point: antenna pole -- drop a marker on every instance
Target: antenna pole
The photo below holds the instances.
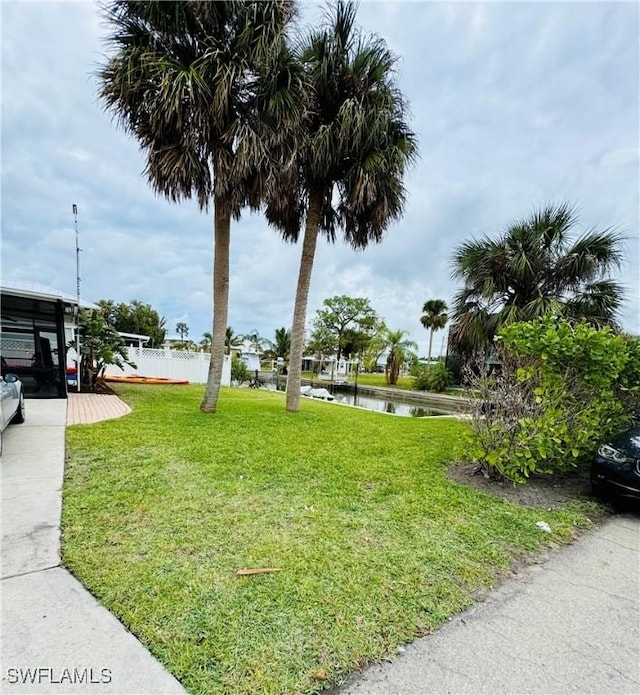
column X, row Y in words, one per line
column 75, row 218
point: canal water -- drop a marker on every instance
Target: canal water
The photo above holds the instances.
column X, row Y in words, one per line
column 380, row 403
column 388, row 405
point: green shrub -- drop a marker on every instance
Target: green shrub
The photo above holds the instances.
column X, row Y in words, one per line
column 628, row 387
column 555, row 399
column 239, row 370
column 432, row 377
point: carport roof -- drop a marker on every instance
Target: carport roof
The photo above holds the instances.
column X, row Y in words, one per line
column 36, row 290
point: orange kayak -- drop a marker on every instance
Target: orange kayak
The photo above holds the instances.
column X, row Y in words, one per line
column 135, row 379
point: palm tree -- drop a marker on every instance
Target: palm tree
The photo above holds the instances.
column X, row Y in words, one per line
column 182, row 329
column 398, row 349
column 232, row 340
column 434, row 317
column 206, row 88
column 205, row 343
column 282, row 343
column 257, row 342
column 533, row 268
column 354, row 149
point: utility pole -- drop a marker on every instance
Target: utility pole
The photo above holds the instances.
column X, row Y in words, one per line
column 75, row 217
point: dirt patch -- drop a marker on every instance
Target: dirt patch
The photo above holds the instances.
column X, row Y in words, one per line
column 542, row 491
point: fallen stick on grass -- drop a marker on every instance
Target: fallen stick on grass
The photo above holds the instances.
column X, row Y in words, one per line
column 261, row 570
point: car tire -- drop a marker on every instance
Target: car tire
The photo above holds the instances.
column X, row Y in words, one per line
column 18, row 418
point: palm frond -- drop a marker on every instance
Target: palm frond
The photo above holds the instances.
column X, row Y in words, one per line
column 533, row 268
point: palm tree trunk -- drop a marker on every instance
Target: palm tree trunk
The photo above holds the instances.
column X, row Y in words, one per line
column 302, row 296
column 430, row 342
column 222, row 234
column 393, row 371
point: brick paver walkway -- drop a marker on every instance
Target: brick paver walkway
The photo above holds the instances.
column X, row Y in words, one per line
column 85, row 408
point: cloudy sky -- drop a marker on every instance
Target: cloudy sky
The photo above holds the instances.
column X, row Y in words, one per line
column 516, row 105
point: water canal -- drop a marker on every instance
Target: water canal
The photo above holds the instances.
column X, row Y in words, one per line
column 392, row 405
column 415, row 404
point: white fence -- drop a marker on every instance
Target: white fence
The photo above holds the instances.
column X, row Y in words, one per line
column 171, row 364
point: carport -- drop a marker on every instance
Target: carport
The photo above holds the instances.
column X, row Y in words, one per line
column 36, row 322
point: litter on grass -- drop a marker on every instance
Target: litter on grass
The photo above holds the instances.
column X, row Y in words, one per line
column 544, row 526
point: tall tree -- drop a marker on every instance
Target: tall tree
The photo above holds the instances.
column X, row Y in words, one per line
column 434, row 317
column 355, row 342
column 182, row 329
column 399, row 349
column 207, row 89
column 354, row 147
column 531, row 269
column 135, row 317
column 341, row 313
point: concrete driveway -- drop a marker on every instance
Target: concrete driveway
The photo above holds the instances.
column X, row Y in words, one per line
column 56, row 638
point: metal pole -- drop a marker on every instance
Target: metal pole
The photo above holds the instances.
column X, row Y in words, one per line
column 75, row 217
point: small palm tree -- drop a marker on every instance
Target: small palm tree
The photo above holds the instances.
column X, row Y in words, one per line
column 182, row 330
column 205, row 343
column 353, row 149
column 282, row 343
column 207, row 89
column 398, row 349
column 257, row 342
column 531, row 269
column 434, row 317
column 232, row 340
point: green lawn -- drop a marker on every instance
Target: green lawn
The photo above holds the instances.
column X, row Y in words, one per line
column 376, row 544
column 404, row 382
column 364, row 379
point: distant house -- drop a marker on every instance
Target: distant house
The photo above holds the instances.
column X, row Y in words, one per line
column 37, row 322
column 176, row 342
column 135, row 340
column 247, row 353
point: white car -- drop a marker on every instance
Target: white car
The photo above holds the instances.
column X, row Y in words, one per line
column 12, row 400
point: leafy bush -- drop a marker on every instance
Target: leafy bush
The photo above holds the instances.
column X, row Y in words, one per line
column 555, row 398
column 432, row 377
column 239, row 370
column 628, row 387
column 100, row 345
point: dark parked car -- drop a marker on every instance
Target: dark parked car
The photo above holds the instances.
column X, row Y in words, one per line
column 615, row 471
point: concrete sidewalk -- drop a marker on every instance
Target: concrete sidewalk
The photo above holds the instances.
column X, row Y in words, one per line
column 569, row 625
column 56, row 638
